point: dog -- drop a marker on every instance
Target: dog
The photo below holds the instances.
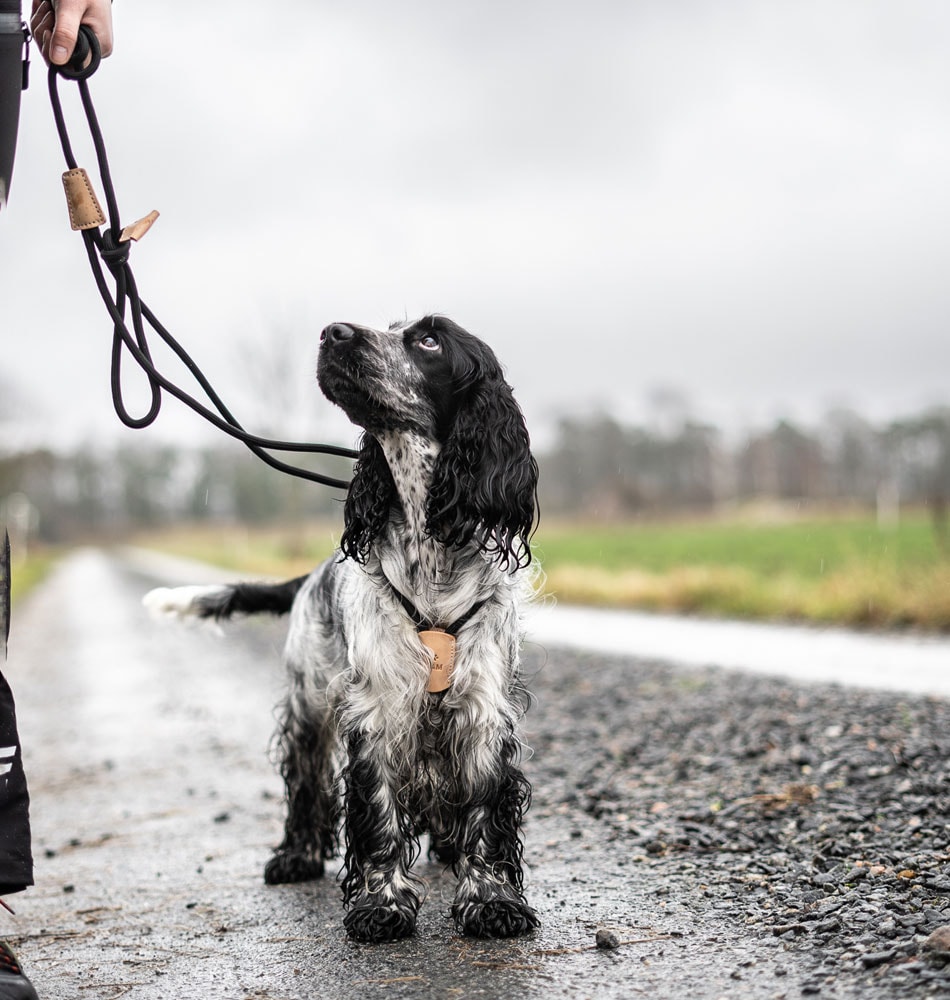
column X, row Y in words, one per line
column 403, row 652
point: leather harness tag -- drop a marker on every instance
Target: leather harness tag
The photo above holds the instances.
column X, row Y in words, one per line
column 442, row 647
column 85, row 212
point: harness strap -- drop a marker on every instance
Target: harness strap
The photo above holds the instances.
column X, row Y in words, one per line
column 423, row 624
column 439, row 640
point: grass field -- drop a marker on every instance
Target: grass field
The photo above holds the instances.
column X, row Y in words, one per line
column 830, row 570
column 27, row 574
column 274, row 552
column 842, row 570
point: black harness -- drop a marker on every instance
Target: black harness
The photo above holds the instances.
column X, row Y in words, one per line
column 423, row 624
column 439, row 640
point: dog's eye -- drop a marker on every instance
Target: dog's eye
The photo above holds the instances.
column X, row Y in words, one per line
column 430, row 342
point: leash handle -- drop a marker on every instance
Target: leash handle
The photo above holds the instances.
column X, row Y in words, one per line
column 87, row 54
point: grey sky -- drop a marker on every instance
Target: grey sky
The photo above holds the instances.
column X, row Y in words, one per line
column 748, row 201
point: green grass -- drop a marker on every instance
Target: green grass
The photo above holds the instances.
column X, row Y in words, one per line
column 808, row 549
column 831, row 570
column 26, row 575
column 276, row 552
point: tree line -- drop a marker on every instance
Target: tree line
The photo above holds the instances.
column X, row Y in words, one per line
column 599, row 467
column 595, row 467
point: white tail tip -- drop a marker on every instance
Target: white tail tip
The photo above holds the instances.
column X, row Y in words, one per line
column 176, row 602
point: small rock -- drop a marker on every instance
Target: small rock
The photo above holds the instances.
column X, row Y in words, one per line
column 936, row 949
column 875, row 958
column 606, row 939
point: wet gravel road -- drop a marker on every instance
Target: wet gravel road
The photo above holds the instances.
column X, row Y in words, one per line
column 733, row 836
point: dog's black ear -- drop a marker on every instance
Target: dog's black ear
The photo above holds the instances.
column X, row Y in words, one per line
column 484, row 486
column 369, row 500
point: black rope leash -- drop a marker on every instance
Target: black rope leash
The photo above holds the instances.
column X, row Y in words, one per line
column 111, row 246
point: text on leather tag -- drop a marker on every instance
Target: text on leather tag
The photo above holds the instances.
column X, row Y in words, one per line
column 85, row 212
column 442, row 646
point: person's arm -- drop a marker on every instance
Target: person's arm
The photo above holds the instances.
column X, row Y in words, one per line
column 55, row 25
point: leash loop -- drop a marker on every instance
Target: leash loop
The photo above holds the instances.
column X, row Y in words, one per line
column 112, row 247
column 86, row 48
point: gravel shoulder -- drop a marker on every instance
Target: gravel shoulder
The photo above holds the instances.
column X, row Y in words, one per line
column 814, row 816
column 731, row 835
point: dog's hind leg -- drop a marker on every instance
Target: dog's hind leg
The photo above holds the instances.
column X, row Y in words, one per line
column 306, row 743
column 489, row 901
column 381, row 895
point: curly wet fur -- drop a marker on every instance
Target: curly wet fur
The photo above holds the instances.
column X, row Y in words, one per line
column 439, row 513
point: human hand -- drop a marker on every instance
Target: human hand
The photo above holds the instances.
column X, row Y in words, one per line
column 55, row 25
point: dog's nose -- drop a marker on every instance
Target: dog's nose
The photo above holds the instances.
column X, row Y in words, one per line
column 337, row 333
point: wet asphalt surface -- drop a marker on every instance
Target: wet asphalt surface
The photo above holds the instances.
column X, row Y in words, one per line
column 732, row 836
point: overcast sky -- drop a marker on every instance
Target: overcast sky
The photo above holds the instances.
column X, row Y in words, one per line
column 748, row 202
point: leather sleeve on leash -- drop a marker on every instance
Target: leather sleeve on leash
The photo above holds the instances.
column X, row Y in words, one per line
column 85, row 212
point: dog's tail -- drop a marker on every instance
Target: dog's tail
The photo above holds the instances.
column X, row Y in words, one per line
column 224, row 600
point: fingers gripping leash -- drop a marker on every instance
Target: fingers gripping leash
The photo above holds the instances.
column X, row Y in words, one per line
column 109, row 244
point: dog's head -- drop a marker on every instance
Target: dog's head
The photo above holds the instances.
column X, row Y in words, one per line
column 434, row 379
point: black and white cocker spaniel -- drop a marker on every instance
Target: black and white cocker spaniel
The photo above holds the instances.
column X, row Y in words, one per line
column 405, row 690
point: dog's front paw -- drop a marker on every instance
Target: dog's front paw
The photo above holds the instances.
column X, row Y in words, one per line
column 444, row 851
column 495, row 918
column 375, row 924
column 285, row 866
